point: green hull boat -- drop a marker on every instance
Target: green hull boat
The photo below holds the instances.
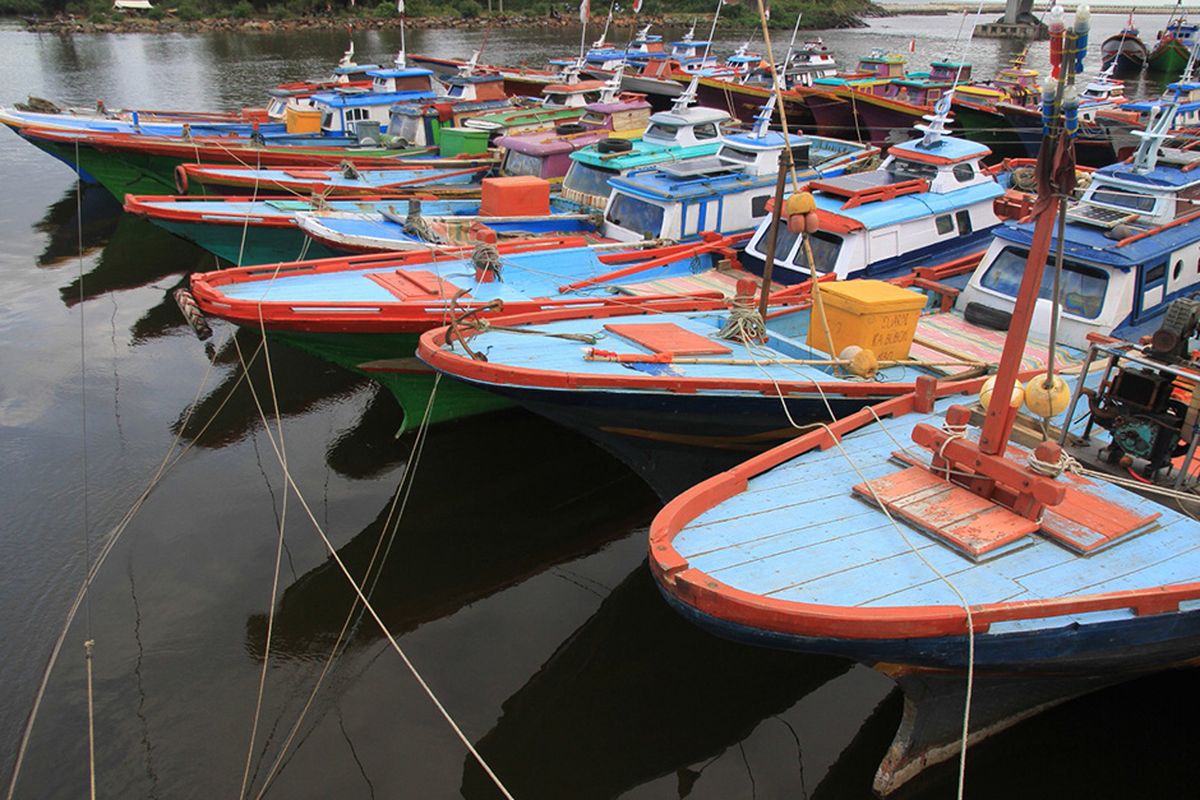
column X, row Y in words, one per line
column 412, row 389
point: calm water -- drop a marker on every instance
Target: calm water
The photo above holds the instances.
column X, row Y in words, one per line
column 515, row 580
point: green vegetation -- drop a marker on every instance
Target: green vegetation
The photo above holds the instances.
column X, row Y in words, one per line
column 740, row 13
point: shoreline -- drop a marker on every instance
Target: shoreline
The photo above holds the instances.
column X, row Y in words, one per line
column 170, row 24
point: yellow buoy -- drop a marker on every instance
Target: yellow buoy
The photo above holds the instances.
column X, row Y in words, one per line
column 799, row 203
column 1047, row 401
column 985, row 393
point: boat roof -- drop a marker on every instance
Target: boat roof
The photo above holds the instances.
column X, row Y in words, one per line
column 573, row 88
column 897, row 209
column 610, row 108
column 1089, row 244
column 1163, row 176
column 349, row 99
column 350, row 70
column 547, row 143
column 455, row 80
column 643, row 154
column 409, row 72
column 769, row 140
column 946, row 150
column 692, row 115
column 654, row 184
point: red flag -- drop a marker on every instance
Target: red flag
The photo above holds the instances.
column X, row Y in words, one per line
column 912, row 45
column 637, row 6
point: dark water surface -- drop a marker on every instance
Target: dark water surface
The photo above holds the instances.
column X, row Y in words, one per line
column 516, row 579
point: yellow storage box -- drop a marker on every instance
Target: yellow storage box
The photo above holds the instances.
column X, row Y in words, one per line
column 302, row 120
column 876, row 315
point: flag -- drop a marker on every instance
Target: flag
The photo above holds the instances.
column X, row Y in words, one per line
column 912, row 45
column 400, row 7
column 585, row 10
column 767, row 11
column 637, row 6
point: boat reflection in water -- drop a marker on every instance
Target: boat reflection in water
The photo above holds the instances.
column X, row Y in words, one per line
column 93, row 212
column 453, row 552
column 634, row 696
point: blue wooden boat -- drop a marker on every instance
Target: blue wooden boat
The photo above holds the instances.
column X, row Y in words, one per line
column 385, row 229
column 685, row 131
column 993, row 562
column 727, row 193
column 245, row 231
column 364, row 313
column 930, row 201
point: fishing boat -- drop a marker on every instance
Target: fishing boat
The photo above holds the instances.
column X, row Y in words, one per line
column 976, row 115
column 140, row 164
column 511, row 208
column 547, row 154
column 1184, row 95
column 726, row 193
column 686, row 131
column 1124, row 51
column 347, row 73
column 455, row 177
column 930, row 201
column 1098, row 144
column 994, row 562
column 421, row 123
column 343, row 111
column 1173, row 47
column 885, row 111
column 365, row 313
column 560, row 103
column 249, row 230
column 829, row 99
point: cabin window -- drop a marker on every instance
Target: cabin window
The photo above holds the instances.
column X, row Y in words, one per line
column 964, row 222
column 964, row 172
column 522, row 164
column 633, row 214
column 785, row 240
column 327, row 120
column 1175, row 273
column 1155, row 274
column 902, row 170
column 593, row 118
column 733, row 154
column 591, row 97
column 944, row 224
column 758, row 205
column 707, row 131
column 663, row 133
column 1121, row 198
column 406, row 127
column 825, row 249
column 1082, row 289
column 588, row 180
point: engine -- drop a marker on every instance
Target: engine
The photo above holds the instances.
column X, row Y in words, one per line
column 1150, row 414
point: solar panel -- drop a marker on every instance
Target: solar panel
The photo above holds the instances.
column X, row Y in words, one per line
column 849, row 185
column 1098, row 216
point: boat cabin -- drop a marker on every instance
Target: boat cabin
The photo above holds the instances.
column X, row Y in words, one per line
column 546, row 154
column 471, row 88
column 1132, row 247
column 1184, row 94
column 727, row 193
column 342, row 111
column 421, row 124
column 683, row 132
column 929, row 202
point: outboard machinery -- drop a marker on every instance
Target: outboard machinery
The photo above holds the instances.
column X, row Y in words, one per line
column 1152, row 413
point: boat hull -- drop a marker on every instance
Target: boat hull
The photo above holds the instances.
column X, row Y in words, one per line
column 261, row 244
column 411, row 382
column 1168, row 58
column 1094, row 146
column 988, row 127
column 1128, row 51
column 744, row 102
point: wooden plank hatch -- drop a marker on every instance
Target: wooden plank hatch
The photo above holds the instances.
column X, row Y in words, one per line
column 1086, row 523
column 973, row 526
column 667, row 337
column 415, row 284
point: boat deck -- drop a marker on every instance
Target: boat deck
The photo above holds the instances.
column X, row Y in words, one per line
column 799, row 534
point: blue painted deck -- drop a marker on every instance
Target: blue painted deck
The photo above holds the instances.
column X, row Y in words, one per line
column 798, row 534
column 367, row 178
column 218, row 209
column 523, row 276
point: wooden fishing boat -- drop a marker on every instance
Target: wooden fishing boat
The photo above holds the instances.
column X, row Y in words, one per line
column 994, row 564
column 681, row 133
column 452, row 177
column 726, row 193
column 511, row 208
column 886, row 112
column 830, row 103
column 931, row 201
column 1124, row 51
column 1173, row 48
column 140, row 164
column 364, row 313
column 249, row 230
column 975, row 112
column 559, row 103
